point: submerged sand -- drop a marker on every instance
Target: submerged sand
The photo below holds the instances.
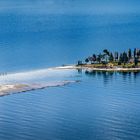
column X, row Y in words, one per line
column 31, row 80
column 7, row 89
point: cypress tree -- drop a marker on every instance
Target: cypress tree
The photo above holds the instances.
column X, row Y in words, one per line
column 86, row 60
column 129, row 54
column 116, row 56
column 135, row 52
column 111, row 57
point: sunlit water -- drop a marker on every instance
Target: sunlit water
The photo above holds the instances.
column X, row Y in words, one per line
column 102, row 106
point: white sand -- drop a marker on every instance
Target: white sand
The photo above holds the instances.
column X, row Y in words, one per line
column 98, row 69
column 4, row 88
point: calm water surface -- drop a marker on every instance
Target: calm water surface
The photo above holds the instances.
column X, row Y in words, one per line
column 103, row 106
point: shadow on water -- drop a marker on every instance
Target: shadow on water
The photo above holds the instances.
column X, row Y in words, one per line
column 79, row 71
column 109, row 76
column 130, row 76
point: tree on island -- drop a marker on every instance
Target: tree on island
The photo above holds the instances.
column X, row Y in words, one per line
column 135, row 52
column 111, row 57
column 99, row 58
column 90, row 59
column 136, row 61
column 94, row 57
column 116, row 56
column 106, row 54
column 86, row 60
column 125, row 58
column 129, row 58
column 120, row 59
column 80, row 62
column 129, row 54
column 138, row 53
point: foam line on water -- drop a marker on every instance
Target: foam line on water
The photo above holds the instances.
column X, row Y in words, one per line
column 33, row 74
column 35, row 79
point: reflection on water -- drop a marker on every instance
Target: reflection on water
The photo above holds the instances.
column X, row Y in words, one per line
column 109, row 76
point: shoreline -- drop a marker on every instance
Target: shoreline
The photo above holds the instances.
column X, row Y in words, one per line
column 115, row 69
column 7, row 89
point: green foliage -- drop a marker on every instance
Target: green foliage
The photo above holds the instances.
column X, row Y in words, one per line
column 129, row 53
column 121, row 58
column 94, row 57
column 116, row 56
column 135, row 52
column 136, row 61
column 99, row 58
column 125, row 58
column 80, row 62
column 86, row 60
column 106, row 52
column 111, row 58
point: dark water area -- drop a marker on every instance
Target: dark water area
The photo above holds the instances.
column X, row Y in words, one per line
column 103, row 106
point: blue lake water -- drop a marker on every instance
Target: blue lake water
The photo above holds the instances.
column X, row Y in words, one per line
column 103, row 106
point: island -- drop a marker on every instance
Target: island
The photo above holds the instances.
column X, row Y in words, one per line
column 109, row 61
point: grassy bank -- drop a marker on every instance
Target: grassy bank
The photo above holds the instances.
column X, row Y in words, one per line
column 110, row 65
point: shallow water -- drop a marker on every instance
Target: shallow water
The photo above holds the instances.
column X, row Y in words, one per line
column 101, row 106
